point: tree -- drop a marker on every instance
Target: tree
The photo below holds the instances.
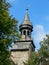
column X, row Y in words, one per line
column 33, row 60
column 8, row 32
column 41, row 57
column 44, row 51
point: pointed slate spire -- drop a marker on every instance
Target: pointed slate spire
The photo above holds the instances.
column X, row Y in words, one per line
column 26, row 19
column 26, row 16
column 26, row 24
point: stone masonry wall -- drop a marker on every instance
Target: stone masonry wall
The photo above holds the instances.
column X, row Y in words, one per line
column 18, row 57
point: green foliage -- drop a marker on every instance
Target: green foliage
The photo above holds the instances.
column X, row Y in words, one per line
column 8, row 32
column 41, row 57
column 44, row 51
column 33, row 59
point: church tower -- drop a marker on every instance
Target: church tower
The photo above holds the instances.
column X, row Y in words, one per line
column 26, row 27
column 22, row 49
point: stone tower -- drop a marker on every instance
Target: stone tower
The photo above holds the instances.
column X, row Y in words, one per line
column 23, row 48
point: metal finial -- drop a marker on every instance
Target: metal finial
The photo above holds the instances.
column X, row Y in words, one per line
column 27, row 7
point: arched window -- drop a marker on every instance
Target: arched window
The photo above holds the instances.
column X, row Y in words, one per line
column 24, row 32
column 27, row 32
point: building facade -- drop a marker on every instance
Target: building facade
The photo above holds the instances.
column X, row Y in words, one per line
column 22, row 49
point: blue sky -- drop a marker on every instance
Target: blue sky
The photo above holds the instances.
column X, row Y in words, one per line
column 38, row 13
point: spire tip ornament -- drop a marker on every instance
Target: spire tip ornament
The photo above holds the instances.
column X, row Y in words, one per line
column 27, row 7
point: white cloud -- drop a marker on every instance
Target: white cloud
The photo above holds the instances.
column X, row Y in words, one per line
column 39, row 33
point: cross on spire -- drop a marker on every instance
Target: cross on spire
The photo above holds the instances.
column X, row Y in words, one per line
column 27, row 8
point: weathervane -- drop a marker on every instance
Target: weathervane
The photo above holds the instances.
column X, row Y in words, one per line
column 27, row 7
